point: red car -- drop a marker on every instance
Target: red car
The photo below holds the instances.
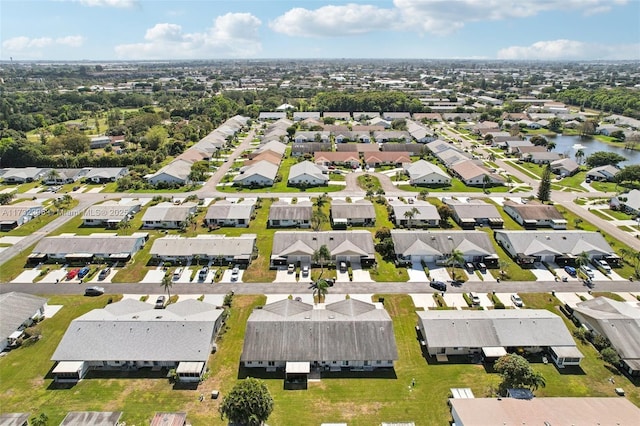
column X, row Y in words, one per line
column 72, row 274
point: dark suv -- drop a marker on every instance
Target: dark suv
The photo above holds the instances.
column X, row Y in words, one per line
column 438, row 285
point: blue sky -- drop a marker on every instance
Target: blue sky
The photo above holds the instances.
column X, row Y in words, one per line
column 222, row 29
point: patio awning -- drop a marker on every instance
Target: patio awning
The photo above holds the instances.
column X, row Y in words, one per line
column 79, row 255
column 68, row 367
column 567, row 352
column 494, row 351
column 190, row 367
column 297, row 367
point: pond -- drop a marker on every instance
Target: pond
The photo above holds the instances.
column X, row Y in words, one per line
column 568, row 145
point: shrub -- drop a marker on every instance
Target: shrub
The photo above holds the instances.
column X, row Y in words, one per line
column 499, row 305
column 610, row 356
column 580, row 334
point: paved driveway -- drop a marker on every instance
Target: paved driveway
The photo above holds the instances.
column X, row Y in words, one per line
column 570, row 299
column 55, row 276
column 505, row 298
column 283, row 276
column 153, row 277
column 27, row 276
column 423, row 300
column 438, row 273
column 226, row 276
column 360, row 275
column 542, row 273
column 416, row 273
column 185, row 277
column 455, row 300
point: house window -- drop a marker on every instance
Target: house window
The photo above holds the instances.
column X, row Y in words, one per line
column 378, row 362
column 259, row 362
column 271, row 363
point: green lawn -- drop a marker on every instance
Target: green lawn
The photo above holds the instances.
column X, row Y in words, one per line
column 369, row 183
column 509, row 223
column 355, row 398
column 618, row 214
column 456, row 186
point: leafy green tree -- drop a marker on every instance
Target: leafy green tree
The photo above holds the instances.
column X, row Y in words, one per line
column 610, row 356
column 582, row 259
column 249, row 403
column 199, row 171
column 544, row 190
column 516, row 372
column 539, row 140
column 603, row 158
column 555, row 125
column 587, row 128
column 445, row 212
column 5, row 198
column 75, row 142
column 629, row 174
column 41, row 420
column 156, row 137
column 618, row 135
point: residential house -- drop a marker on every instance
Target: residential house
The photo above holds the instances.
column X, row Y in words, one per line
column 535, row 215
column 272, row 115
column 262, row 173
column 380, row 122
column 513, row 145
column 603, row 173
column 14, row 215
column 303, row 115
column 110, row 213
column 541, row 410
column 176, row 172
column 417, row 246
column 307, row 173
column 472, row 174
column 492, row 333
column 392, row 136
column 619, row 323
column 425, row 173
column 270, row 156
column 419, row 132
column 561, row 247
column 439, row 145
column 82, row 249
column 364, row 115
column 429, row 116
column 167, row 215
column 357, row 147
column 92, row 418
column 349, row 334
column 17, row 312
column 286, row 215
column 608, row 129
column 132, row 335
column 542, row 157
column 389, row 158
column 298, row 149
column 318, row 136
column 345, row 116
column 227, row 213
column 402, row 115
column 631, row 204
column 63, row 176
column 524, row 151
column 450, row 157
column 99, row 142
column 564, row 167
column 23, row 174
column 412, row 148
column 271, row 146
column 358, row 213
column 345, row 246
column 352, row 136
column 350, row 159
column 105, row 174
column 421, row 214
column 211, row 247
column 474, row 213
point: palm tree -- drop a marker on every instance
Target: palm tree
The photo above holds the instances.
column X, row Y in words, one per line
column 625, row 253
column 503, row 264
column 579, row 156
column 582, row 259
column 410, row 214
column 320, row 290
column 318, row 218
column 53, row 175
column 167, row 283
column 455, row 259
column 321, row 256
column 124, row 225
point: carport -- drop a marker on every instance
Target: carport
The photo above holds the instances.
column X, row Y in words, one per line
column 492, row 353
column 296, row 375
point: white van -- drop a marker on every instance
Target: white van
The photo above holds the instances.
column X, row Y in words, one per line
column 176, row 274
column 588, row 271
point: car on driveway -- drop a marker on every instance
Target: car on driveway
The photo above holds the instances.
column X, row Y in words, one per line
column 516, row 300
column 202, row 275
column 475, row 300
column 104, row 274
column 343, row 266
column 83, row 272
column 438, row 285
column 587, row 271
column 291, row 268
column 481, row 267
column 94, row 291
column 235, row 273
column 305, row 271
column 72, row 274
column 602, row 264
column 570, row 270
column 160, row 301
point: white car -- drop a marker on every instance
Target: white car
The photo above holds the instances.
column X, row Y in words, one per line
column 305, row 271
column 516, row 300
column 235, row 273
column 604, row 265
column 588, row 271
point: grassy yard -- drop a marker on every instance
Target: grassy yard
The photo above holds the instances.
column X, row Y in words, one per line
column 456, row 186
column 513, row 272
column 356, row 398
column 509, row 223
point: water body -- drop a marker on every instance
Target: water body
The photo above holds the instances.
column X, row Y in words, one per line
column 570, row 144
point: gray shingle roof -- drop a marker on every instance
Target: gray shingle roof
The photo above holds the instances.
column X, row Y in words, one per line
column 533, row 211
column 442, row 242
column 474, row 209
column 166, row 211
column 224, row 209
column 496, row 327
column 208, row 245
column 88, row 244
column 308, row 168
column 181, row 332
column 284, row 240
column 561, row 242
column 361, row 209
column 293, row 331
column 15, row 309
column 281, row 210
column 423, row 168
column 426, row 211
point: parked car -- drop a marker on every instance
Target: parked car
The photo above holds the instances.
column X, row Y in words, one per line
column 587, row 271
column 570, row 270
column 438, row 285
column 343, row 266
column 603, row 264
column 475, row 300
column 516, row 300
column 177, row 274
column 305, row 271
column 235, row 273
column 469, row 266
column 202, row 275
column 481, row 267
column 291, row 268
column 72, row 274
column 104, row 274
column 587, row 180
column 83, row 272
column 94, row 291
column 330, row 281
column 160, row 301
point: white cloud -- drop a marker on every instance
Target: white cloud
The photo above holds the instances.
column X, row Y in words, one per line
column 109, row 3
column 570, row 49
column 232, row 35
column 333, row 21
column 26, row 44
column 444, row 17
